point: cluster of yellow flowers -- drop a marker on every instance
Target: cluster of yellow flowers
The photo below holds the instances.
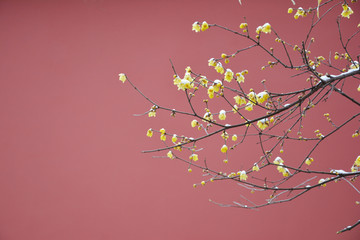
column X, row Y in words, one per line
column 346, row 12
column 197, row 27
column 266, row 28
column 318, row 134
column 278, row 161
column 356, row 165
column 263, row 123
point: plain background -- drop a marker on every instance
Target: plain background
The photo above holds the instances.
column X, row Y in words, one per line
column 71, row 165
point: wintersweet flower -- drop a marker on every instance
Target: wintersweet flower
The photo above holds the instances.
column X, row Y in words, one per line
column 204, row 26
column 212, row 62
column 208, row 116
column 234, row 137
column 300, row 12
column 278, row 160
column 252, row 96
column 266, row 28
column 347, row 11
column 219, row 68
column 240, row 78
column 188, row 77
column 243, row 25
column 357, row 161
column 249, row 106
column 170, row 155
column 194, row 157
column 149, row 132
column 286, row 172
column 228, row 75
column 177, row 80
column 222, row 115
column 309, row 160
column 203, row 183
column 243, row 176
column 174, row 138
column 224, row 148
column 262, row 97
column 217, row 85
column 163, row 137
column 225, row 135
column 211, row 91
column 152, row 113
column 256, row 168
column 239, row 100
column 258, row 29
column 196, row 27
column 122, row 77
column 203, row 81
column 263, row 123
column 184, row 84
column 194, row 123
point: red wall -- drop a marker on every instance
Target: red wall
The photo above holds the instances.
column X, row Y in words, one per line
column 70, row 150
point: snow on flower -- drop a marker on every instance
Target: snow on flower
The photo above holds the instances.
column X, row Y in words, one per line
column 196, row 27
column 222, row 115
column 122, row 77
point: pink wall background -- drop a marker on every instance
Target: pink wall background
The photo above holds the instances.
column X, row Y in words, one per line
column 70, row 161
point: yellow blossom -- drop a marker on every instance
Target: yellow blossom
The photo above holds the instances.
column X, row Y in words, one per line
column 122, row 77
column 255, row 168
column 252, row 96
column 243, row 176
column 184, row 84
column 211, row 91
column 152, row 113
column 196, row 27
column 309, row 160
column 290, row 10
column 217, row 85
column 234, row 137
column 203, row 81
column 262, row 97
column 357, row 161
column 194, row 157
column 212, row 62
column 163, row 137
column 194, row 123
column 249, row 106
column 174, row 138
column 225, row 135
column 263, row 123
column 240, row 77
column 266, row 28
column 208, row 116
column 239, row 100
column 219, row 68
column 204, row 26
column 224, row 149
column 203, row 183
column 228, row 75
column 258, row 29
column 170, row 155
column 243, row 25
column 278, row 160
column 149, row 132
column 222, row 115
column 177, row 80
column 347, row 11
